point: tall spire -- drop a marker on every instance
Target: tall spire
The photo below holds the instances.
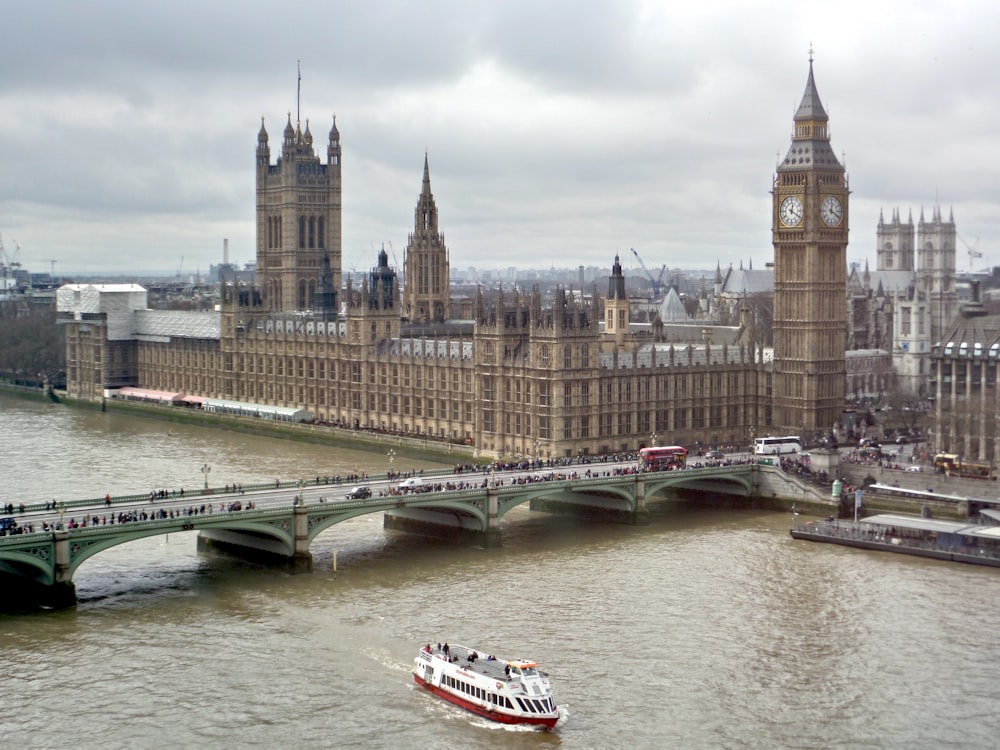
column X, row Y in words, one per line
column 810, row 147
column 811, row 108
column 425, row 189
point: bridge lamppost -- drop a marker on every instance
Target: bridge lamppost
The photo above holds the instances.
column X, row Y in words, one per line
column 300, row 499
column 752, row 433
column 391, row 455
column 652, row 440
column 206, row 469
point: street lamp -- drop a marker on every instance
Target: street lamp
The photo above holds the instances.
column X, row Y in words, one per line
column 652, row 440
column 391, row 455
column 206, row 469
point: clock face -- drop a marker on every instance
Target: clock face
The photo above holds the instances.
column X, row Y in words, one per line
column 832, row 211
column 790, row 211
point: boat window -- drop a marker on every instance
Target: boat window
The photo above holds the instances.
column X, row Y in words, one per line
column 529, row 671
column 521, row 705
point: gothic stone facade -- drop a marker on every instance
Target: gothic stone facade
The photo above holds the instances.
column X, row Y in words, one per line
column 522, row 377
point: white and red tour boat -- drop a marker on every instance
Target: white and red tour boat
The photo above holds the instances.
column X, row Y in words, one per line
column 508, row 691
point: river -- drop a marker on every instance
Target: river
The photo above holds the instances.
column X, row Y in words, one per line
column 709, row 628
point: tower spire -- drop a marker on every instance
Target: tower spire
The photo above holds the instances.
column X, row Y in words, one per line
column 298, row 97
column 425, row 189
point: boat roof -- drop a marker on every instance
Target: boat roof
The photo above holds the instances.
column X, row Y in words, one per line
column 522, row 664
column 934, row 525
column 993, row 515
column 915, row 522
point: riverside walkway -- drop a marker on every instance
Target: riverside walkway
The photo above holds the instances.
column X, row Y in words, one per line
column 45, row 543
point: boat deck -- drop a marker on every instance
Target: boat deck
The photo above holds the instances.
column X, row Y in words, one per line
column 492, row 668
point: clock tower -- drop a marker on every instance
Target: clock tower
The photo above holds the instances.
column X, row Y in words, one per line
column 809, row 231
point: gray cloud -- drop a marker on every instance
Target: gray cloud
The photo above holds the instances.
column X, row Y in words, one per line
column 559, row 133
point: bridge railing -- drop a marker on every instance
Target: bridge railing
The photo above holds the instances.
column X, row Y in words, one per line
column 325, row 480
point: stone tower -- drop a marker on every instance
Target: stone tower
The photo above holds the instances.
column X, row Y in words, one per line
column 936, row 269
column 373, row 311
column 427, row 293
column 298, row 218
column 894, row 240
column 809, row 232
column 616, row 307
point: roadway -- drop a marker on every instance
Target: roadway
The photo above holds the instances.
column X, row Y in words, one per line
column 48, row 517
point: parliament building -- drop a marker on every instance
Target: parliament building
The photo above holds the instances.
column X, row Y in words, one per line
column 512, row 372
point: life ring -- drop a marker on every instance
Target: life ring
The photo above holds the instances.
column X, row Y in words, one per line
column 499, row 686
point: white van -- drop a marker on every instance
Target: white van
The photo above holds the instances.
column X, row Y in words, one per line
column 411, row 483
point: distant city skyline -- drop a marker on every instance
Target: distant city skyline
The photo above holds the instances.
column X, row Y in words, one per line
column 555, row 138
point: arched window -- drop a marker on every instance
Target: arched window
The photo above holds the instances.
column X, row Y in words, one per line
column 320, row 231
column 302, row 231
column 312, row 232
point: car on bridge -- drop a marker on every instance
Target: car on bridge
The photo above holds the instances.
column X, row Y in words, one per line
column 715, row 455
column 359, row 493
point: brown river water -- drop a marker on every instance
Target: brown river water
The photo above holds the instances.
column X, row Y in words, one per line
column 709, row 628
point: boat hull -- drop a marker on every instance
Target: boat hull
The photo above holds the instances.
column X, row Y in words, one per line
column 542, row 722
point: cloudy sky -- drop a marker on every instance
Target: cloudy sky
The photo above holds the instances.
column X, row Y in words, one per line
column 559, row 133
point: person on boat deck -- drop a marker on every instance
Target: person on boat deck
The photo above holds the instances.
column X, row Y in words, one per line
column 447, row 651
column 427, row 648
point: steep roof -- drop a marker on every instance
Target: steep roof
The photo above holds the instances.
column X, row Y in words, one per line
column 672, row 308
column 743, row 281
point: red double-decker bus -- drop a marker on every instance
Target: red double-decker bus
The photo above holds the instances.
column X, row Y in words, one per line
column 664, row 457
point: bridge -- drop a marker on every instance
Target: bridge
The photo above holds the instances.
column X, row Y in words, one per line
column 281, row 520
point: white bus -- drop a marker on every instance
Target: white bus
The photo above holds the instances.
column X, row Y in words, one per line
column 767, row 446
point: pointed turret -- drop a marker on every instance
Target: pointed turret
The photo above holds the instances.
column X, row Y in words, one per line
column 263, row 149
column 810, row 147
column 427, row 294
column 616, row 282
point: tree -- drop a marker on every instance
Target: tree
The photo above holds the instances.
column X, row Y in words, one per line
column 32, row 345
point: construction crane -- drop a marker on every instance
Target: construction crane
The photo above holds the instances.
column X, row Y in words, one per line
column 657, row 283
column 9, row 263
column 973, row 251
